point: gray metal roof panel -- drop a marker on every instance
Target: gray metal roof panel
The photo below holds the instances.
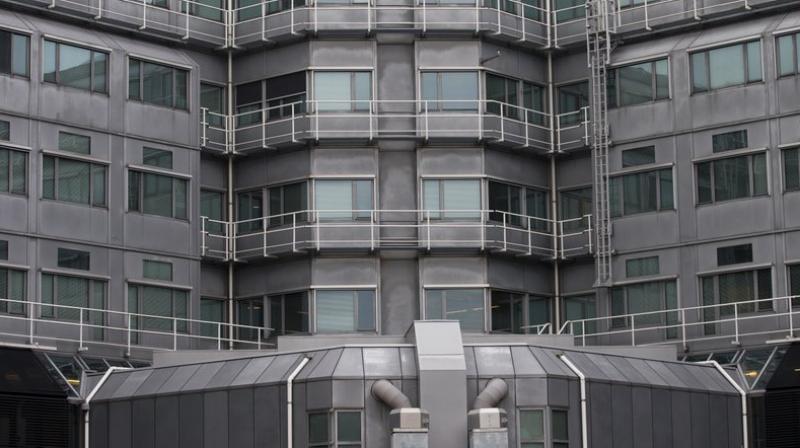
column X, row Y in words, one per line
column 351, row 364
column 672, row 379
column 250, row 373
column 111, row 385
column 647, row 371
column 181, row 375
column 524, row 362
column 494, row 361
column 278, row 369
column 133, row 382
column 408, row 362
column 154, row 382
column 381, row 362
column 227, row 373
column 604, row 363
column 630, row 373
column 469, row 360
column 587, row 367
column 202, row 376
column 552, row 365
column 326, row 362
column 314, row 358
column 685, row 376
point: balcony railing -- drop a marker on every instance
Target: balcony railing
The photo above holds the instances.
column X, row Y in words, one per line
column 28, row 322
column 426, row 120
column 774, row 318
column 368, row 230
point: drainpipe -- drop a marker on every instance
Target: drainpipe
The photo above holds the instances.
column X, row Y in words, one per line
column 229, row 155
column 289, row 402
column 85, row 405
column 553, row 193
column 742, row 393
column 584, row 413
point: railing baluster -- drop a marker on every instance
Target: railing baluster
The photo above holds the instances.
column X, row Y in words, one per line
column 99, row 14
column 791, row 321
column 505, row 236
column 80, row 329
column 264, row 238
column 219, row 336
column 30, row 323
column 736, row 323
column 428, row 223
column 294, row 232
column 186, row 18
column 129, row 332
column 144, row 15
column 683, row 328
column 633, row 330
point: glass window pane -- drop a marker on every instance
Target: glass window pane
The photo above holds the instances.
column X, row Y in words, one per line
column 73, row 259
column 363, row 90
column 180, row 198
column 74, row 66
column 462, row 195
column 296, row 313
column 134, row 80
column 731, row 178
column 334, row 199
column 560, row 427
column 157, row 157
column 753, row 61
column 133, row 190
column 81, row 144
column 363, row 198
column 318, row 428
column 501, row 312
column 636, row 83
column 100, row 62
column 5, row 163
column 704, row 183
column 157, row 84
column 459, row 90
column 786, row 54
column 72, row 292
column 665, row 190
column 638, row 156
column 791, row 167
column 759, row 174
column 348, row 426
column 538, row 310
column 430, row 197
column 366, row 310
column 335, row 311
column 49, row 61
column 156, row 194
column 434, row 304
column 466, row 306
column 495, row 92
column 662, row 78
column 157, row 270
column 19, row 54
column 48, row 178
column 332, row 90
column 98, row 185
column 726, row 66
column 531, row 425
column 699, row 72
column 181, row 89
column 294, row 197
column 18, row 172
column 73, row 181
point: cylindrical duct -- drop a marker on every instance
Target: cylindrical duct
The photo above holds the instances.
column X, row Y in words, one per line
column 492, row 394
column 390, row 394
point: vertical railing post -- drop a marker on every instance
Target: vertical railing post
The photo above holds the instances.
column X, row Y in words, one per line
column 219, row 335
column 683, row 327
column 186, row 5
column 527, row 136
column 228, row 232
column 736, row 323
column 370, row 104
column 30, row 322
column 264, row 127
column 264, row 19
column 129, row 332
column 583, row 332
column 428, row 226
column 294, row 232
column 560, row 250
column 294, row 138
column 530, row 231
column 694, row 10
column 174, row 334
column 477, row 16
column 369, row 17
column 258, row 338
column 203, row 126
column 633, row 330
column 482, row 223
column 505, row 229
column 264, row 222
column 317, row 236
column 80, row 329
column 502, row 121
column 372, row 218
column 646, row 17
column 203, row 246
column 791, row 321
column 427, row 129
column 144, row 15
column 234, row 236
column 99, row 14
column 548, row 22
column 589, row 227
column 425, row 16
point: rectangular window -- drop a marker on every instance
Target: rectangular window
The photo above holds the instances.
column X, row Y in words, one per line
column 284, row 203
column 652, row 299
column 577, row 308
column 567, row 10
column 3, row 250
column 533, row 98
column 212, row 206
column 463, row 305
column 158, row 84
column 506, row 204
column 346, row 432
column 729, row 141
column 726, row 66
column 641, row 192
column 342, row 91
column 451, row 198
column 169, row 306
column 638, row 267
column 69, row 294
column 157, row 270
column 448, row 91
column 288, row 313
column 206, row 9
column 639, row 83
column 14, row 54
column 5, row 130
column 502, row 92
column 729, row 290
column 732, row 178
column 559, row 428
column 249, row 208
column 518, row 313
column 157, row 194
column 794, row 284
column 348, row 429
column 791, row 169
column 788, row 54
column 73, row 259
column 286, row 95
column 157, row 157
column 575, row 204
column 76, row 181
column 13, row 171
column 571, row 99
column 638, row 156
column 741, row 253
column 212, row 310
column 531, row 428
column 81, row 144
column 249, row 99
column 12, row 288
column 250, row 312
column 212, row 98
column 337, row 200
column 319, row 431
column 77, row 67
column 345, row 311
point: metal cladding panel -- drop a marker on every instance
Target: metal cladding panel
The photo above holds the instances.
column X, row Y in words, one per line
column 681, row 419
column 376, row 429
column 574, row 410
column 558, row 392
column 320, row 394
column 531, row 391
column 241, row 424
column 111, row 385
column 718, row 421
column 167, row 422
column 144, row 422
column 324, row 367
column 700, row 419
column 300, row 415
column 381, row 362
column 604, row 364
column 119, row 424
column 622, row 415
column 631, row 374
column 552, row 365
column 700, row 375
column 351, row 364
column 670, row 378
column 411, row 389
column 408, row 362
column 494, row 361
column 470, row 362
column 600, row 415
column 685, row 376
column 215, row 419
column 348, row 393
column 178, row 378
column 642, row 424
column 202, row 376
column 154, row 382
column 524, row 362
column 734, row 407
column 227, row 373
column 98, row 426
column 133, row 382
column 267, row 409
column 314, row 359
column 648, row 372
column 662, row 418
column 278, row 369
column 191, row 414
column 250, row 373
column 590, row 369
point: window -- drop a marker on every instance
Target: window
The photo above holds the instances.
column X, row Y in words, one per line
column 158, row 84
column 14, row 51
column 451, row 198
column 732, row 178
column 518, row 313
column 157, row 194
column 446, row 91
column 212, row 310
column 248, row 9
column 347, row 431
column 172, row 305
column 70, row 293
column 248, row 103
column 729, row 141
column 650, row 297
column 641, row 192
column 741, row 253
column 343, row 199
column 13, row 171
column 75, row 181
column 80, row 144
column 575, row 204
column 73, row 259
column 345, row 311
column 77, row 67
column 3, row 250
column 639, row 83
column 463, row 305
column 207, row 9
column 212, row 98
column 158, row 3
column 288, row 313
column 502, row 92
column 285, row 201
column 567, row 10
column 533, row 98
column 250, row 312
column 788, row 54
column 560, row 428
column 157, row 157
column 343, row 91
column 791, row 168
column 578, row 308
column 212, row 206
column 157, row 270
column 12, row 287
column 505, row 198
column 632, row 3
column 727, row 66
column 250, row 208
column 794, row 284
column 733, row 288
column 5, row 130
column 531, row 428
column 571, row 99
column 638, row 267
column 638, row 156
column 286, row 95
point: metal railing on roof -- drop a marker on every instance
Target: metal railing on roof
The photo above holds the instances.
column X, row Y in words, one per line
column 390, row 229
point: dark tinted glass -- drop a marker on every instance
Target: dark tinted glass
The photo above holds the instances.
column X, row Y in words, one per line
column 742, row 253
column 73, row 259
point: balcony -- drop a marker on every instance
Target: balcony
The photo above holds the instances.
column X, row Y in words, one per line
column 361, row 121
column 370, row 230
column 707, row 327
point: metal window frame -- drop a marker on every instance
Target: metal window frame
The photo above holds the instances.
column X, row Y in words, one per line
column 705, row 51
column 717, row 305
column 750, row 173
column 444, row 288
column 658, row 205
column 614, row 71
column 174, row 69
column 543, row 411
column 352, row 179
column 11, row 171
column 7, row 270
column 352, row 71
column 56, row 173
column 663, row 309
column 795, row 38
column 354, row 289
column 527, row 297
column 439, row 72
column 282, row 297
column 173, row 318
column 285, row 220
column 174, row 178
column 89, row 298
column 27, row 35
column 92, row 50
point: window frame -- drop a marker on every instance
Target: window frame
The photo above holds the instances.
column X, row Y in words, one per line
column 527, row 298
column 93, row 164
column 214, row 227
column 707, row 62
column 27, row 37
column 718, row 310
column 332, row 421
column 92, row 313
column 444, row 289
column 795, row 39
column 174, row 96
column 12, row 173
column 784, row 151
column 616, row 103
column 57, row 62
column 538, row 441
column 282, row 298
column 539, row 223
column 440, row 103
column 206, row 328
column 441, row 213
column 617, row 203
column 750, row 155
column 7, row 306
column 355, row 104
column 354, row 290
column 665, row 315
column 574, row 117
column 357, row 214
column 182, row 324
column 141, row 172
column 285, row 218
column 249, row 334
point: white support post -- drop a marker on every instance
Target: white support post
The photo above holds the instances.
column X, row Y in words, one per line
column 129, row 334
column 144, row 15
column 264, row 236
column 80, row 330
column 505, row 229
column 264, row 129
column 742, row 394
column 369, row 17
column 264, row 19
column 683, row 328
column 186, row 5
column 482, row 221
column 294, row 138
column 530, row 231
column 428, row 227
column 204, row 126
column 174, row 334
column 647, row 17
column 99, row 14
column 203, row 246
column 584, row 410
column 548, row 23
column 372, row 218
column 633, row 331
column 477, row 16
column 736, row 325
column 694, row 10
column 791, row 321
column 427, row 129
column 294, row 232
column 219, row 335
column 30, row 323
column 425, row 16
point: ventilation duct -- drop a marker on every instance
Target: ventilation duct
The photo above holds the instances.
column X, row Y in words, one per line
column 409, row 425
column 488, row 423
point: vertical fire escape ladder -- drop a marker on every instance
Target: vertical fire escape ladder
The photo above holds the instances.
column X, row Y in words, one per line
column 600, row 27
